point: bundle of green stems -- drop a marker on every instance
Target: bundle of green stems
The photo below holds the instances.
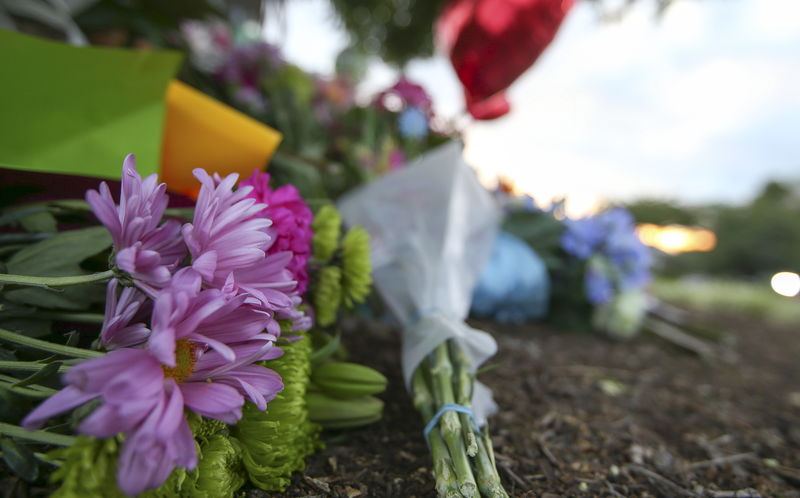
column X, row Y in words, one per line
column 463, row 460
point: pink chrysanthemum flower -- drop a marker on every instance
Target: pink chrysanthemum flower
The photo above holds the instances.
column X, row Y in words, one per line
column 145, row 400
column 142, row 249
column 291, row 223
column 225, row 234
column 213, row 317
column 124, row 319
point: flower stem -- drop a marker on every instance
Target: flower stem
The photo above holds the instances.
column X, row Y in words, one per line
column 485, row 470
column 31, row 387
column 27, row 366
column 24, row 391
column 51, row 282
column 463, row 385
column 449, row 424
column 446, row 485
column 483, row 460
column 61, row 316
column 7, row 335
column 38, row 436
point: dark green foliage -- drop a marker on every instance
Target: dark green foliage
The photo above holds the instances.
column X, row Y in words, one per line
column 132, row 22
column 662, row 212
column 757, row 239
column 60, row 255
column 20, row 459
column 395, row 30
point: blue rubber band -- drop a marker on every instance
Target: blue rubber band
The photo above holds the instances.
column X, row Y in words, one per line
column 450, row 407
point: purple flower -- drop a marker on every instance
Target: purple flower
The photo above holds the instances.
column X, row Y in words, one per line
column 582, row 237
column 269, row 281
column 145, row 400
column 212, row 317
column 123, row 324
column 612, row 236
column 599, row 289
column 291, row 223
column 225, row 234
column 145, row 251
column 245, row 68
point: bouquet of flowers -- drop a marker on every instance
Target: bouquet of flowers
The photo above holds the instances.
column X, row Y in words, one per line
column 196, row 381
column 432, row 226
column 580, row 274
column 595, row 270
column 332, row 143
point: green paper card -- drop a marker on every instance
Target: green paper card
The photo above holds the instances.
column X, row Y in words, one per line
column 80, row 110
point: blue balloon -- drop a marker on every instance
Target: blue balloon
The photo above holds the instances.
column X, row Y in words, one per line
column 514, row 286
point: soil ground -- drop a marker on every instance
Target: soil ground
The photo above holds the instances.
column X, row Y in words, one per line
column 582, row 415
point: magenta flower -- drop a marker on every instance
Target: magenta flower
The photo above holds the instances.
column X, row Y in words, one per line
column 143, row 249
column 291, row 223
column 145, row 400
column 396, row 159
column 408, row 94
column 124, row 321
column 225, row 234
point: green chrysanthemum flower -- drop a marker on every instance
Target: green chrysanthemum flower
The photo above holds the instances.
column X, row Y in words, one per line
column 88, row 469
column 276, row 442
column 219, row 473
column 328, row 295
column 357, row 267
column 327, row 230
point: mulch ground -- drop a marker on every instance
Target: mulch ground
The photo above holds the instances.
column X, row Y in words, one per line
column 582, row 415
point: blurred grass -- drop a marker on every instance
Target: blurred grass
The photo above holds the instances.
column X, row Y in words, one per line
column 735, row 297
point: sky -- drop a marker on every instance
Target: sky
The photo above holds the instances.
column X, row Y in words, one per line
column 701, row 105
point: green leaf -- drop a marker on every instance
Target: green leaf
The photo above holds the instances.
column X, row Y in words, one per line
column 41, row 222
column 61, row 254
column 57, row 256
column 71, row 298
column 73, row 204
column 15, row 215
column 45, row 373
column 12, row 407
column 28, row 326
column 20, row 459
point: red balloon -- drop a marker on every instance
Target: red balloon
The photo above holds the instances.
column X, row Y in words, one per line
column 492, row 42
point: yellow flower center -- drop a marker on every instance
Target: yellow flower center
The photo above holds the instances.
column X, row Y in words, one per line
column 184, row 361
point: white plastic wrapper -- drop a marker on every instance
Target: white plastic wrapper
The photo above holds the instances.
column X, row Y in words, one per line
column 432, row 226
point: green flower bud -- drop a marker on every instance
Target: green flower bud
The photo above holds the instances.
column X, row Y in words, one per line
column 357, row 266
column 327, row 230
column 328, row 295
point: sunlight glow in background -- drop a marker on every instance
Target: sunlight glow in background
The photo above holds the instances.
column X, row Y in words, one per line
column 675, row 239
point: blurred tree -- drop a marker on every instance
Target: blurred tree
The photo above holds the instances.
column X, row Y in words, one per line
column 141, row 22
column 753, row 240
column 662, row 212
column 395, row 30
